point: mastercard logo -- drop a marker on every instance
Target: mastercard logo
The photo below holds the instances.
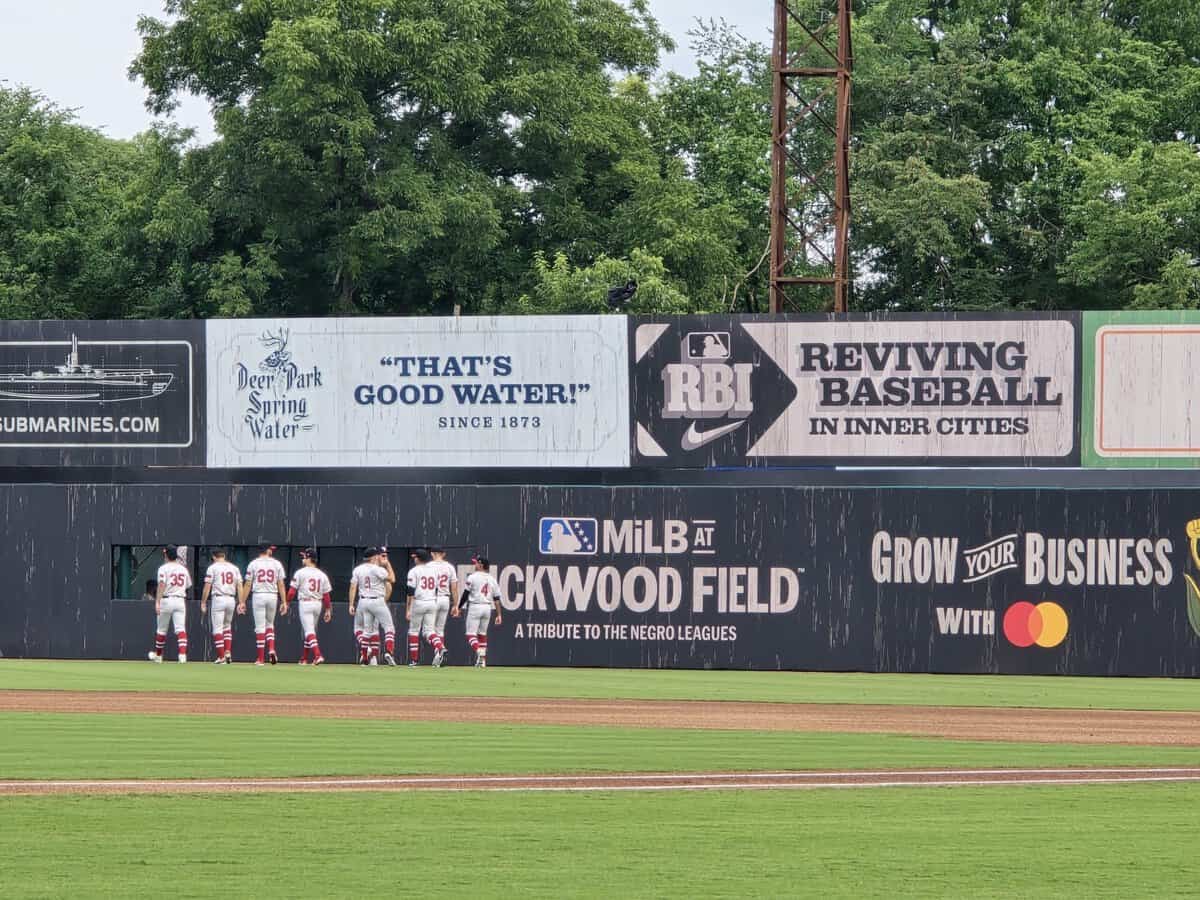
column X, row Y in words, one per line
column 1044, row 624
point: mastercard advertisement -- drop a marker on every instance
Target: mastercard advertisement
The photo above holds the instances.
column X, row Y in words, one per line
column 1042, row 624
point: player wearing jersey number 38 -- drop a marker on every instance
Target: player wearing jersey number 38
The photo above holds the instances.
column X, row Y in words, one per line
column 170, row 599
column 313, row 589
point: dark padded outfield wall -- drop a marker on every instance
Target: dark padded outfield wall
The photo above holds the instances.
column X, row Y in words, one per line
column 1091, row 582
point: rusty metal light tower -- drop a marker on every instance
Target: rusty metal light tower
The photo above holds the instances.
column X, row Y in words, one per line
column 810, row 152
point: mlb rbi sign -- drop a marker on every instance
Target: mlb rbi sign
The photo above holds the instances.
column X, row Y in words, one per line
column 715, row 391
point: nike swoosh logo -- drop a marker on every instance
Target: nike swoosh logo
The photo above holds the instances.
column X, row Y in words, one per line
column 693, row 438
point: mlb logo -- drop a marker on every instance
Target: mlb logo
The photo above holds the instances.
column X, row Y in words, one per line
column 564, row 536
column 706, row 345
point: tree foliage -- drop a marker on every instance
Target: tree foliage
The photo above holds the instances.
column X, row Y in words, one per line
column 409, row 156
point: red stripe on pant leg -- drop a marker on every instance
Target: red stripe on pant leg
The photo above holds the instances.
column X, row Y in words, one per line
column 219, row 643
column 414, row 647
column 159, row 641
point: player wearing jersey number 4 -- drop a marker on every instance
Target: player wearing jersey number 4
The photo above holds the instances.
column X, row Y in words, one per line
column 313, row 589
column 481, row 596
column 170, row 603
column 446, row 586
column 371, row 585
column 264, row 586
column 222, row 584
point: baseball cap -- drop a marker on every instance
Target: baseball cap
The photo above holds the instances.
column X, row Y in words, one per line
column 266, row 548
column 422, row 554
column 308, row 553
column 482, row 560
column 216, row 551
column 370, row 551
column 437, row 550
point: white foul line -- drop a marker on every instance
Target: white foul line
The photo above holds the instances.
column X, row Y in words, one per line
column 812, row 780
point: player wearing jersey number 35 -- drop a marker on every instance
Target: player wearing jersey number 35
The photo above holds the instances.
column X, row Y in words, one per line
column 170, row 599
column 312, row 587
column 264, row 585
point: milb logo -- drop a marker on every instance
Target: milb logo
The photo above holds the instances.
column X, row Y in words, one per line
column 567, row 536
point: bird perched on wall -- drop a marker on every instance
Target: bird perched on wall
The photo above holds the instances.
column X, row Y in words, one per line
column 621, row 294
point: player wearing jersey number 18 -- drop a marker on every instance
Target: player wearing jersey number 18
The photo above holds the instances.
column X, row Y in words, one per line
column 222, row 584
column 313, row 589
column 481, row 596
column 264, row 586
column 170, row 603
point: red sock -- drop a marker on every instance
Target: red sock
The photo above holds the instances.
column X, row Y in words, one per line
column 304, row 653
column 473, row 640
column 219, row 643
column 374, row 639
column 389, row 641
column 270, row 640
column 436, row 642
column 316, row 649
column 483, row 643
column 414, row 647
column 159, row 641
column 260, row 642
column 181, row 638
column 228, row 643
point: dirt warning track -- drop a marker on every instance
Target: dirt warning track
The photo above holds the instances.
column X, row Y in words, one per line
column 922, row 778
column 1079, row 726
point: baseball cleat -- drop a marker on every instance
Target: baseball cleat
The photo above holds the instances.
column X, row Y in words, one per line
column 259, row 662
column 374, row 661
column 219, row 661
column 483, row 661
column 183, row 657
column 154, row 657
column 228, row 659
column 411, row 664
column 318, row 660
column 438, row 656
column 272, row 657
column 303, row 662
column 389, row 659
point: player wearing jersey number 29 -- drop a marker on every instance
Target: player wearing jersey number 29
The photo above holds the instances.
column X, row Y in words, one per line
column 264, row 585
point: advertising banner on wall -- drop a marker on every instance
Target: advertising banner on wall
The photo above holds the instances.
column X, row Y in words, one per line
column 1140, row 406
column 911, row 580
column 101, row 393
column 539, row 391
column 747, row 390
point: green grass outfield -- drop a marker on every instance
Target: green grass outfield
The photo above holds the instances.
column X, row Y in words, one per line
column 1095, row 841
column 1052, row 692
column 74, row 745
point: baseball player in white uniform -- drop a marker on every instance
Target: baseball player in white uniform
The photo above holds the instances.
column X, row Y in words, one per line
column 264, row 583
column 447, row 587
column 222, row 585
column 311, row 586
column 371, row 585
column 170, row 603
column 482, row 596
column 421, row 609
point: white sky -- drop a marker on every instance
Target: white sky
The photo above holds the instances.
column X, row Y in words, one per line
column 76, row 53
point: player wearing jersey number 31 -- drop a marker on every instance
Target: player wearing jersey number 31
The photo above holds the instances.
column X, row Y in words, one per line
column 312, row 587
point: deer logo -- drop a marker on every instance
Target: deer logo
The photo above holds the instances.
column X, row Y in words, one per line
column 280, row 357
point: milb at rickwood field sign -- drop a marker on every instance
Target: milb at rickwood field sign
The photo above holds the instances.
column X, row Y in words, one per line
column 482, row 392
column 1140, row 405
column 745, row 391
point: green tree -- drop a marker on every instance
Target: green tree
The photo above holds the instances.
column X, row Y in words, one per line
column 388, row 155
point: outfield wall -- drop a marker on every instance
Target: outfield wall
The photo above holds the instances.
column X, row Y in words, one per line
column 1089, row 582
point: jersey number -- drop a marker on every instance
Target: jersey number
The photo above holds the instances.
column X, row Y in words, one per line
column 176, row 579
column 266, row 575
column 429, row 583
column 226, row 578
column 313, row 585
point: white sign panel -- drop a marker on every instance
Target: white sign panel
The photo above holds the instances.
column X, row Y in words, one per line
column 947, row 388
column 488, row 392
column 1145, row 404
